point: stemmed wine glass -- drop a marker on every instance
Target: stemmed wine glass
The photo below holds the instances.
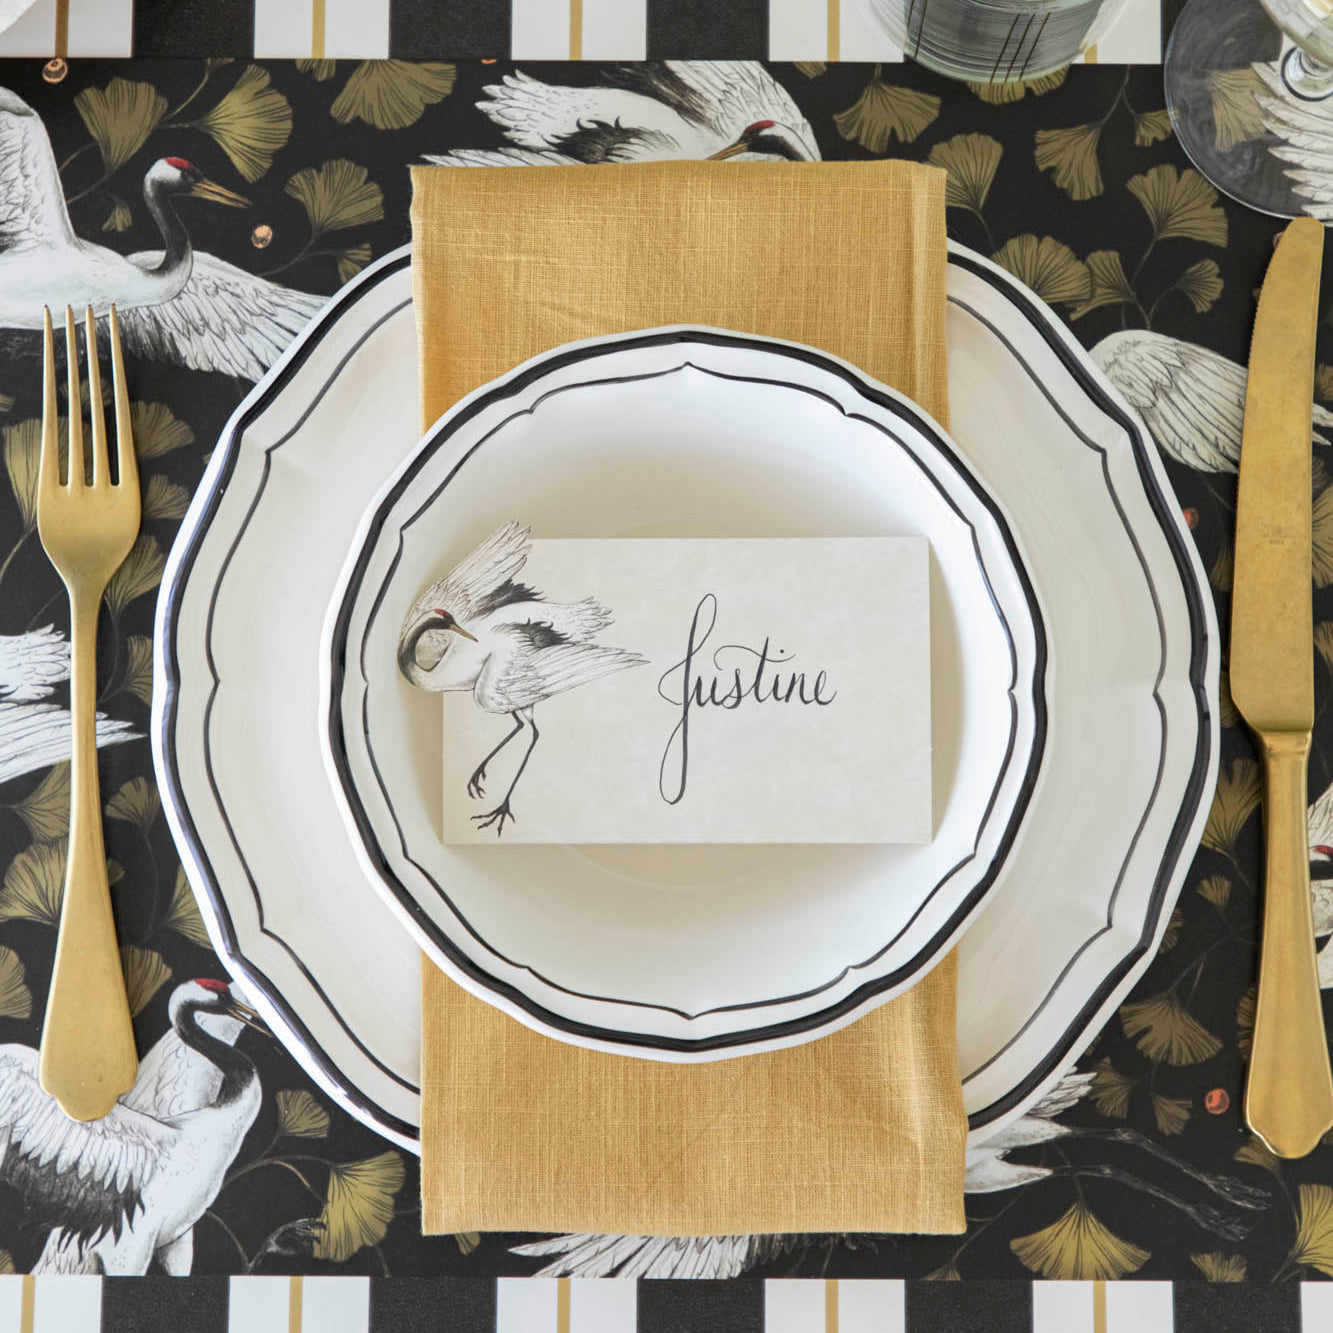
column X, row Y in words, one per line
column 1248, row 86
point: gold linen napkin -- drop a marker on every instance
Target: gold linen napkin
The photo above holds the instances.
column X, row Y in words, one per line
column 863, row 1130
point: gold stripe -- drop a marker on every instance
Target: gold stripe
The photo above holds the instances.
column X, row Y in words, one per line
column 317, row 30
column 1090, row 55
column 831, row 1284
column 295, row 1296
column 834, row 29
column 62, row 27
column 562, row 1305
column 1099, row 1307
column 576, row 29
column 27, row 1312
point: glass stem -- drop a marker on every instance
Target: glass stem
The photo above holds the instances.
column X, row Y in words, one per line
column 1307, row 78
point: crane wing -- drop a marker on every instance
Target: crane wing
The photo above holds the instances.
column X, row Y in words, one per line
column 473, row 586
column 590, row 1255
column 540, row 662
column 500, row 157
column 223, row 319
column 1191, row 398
column 37, row 735
column 534, row 114
column 1301, row 137
column 87, row 1177
column 32, row 664
column 738, row 93
column 32, row 199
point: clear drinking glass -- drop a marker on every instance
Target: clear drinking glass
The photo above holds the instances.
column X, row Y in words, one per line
column 1248, row 84
column 995, row 41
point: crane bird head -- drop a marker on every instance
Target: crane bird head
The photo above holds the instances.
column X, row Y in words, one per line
column 769, row 138
column 214, row 1007
column 439, row 624
column 174, row 175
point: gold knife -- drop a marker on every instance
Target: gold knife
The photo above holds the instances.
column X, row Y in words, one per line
column 1289, row 1097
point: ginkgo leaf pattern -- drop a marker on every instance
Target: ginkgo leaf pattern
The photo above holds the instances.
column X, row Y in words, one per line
column 1074, row 183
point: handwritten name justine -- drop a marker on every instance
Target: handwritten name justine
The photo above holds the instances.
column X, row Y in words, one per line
column 753, row 678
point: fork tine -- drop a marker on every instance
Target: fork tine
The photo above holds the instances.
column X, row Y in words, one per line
column 76, row 473
column 48, row 469
column 96, row 414
column 127, row 466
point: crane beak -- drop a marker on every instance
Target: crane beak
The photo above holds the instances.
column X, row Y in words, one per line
column 218, row 194
column 731, row 150
column 244, row 1014
column 458, row 629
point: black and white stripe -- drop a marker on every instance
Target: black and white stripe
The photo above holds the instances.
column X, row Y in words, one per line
column 541, row 1305
column 500, row 29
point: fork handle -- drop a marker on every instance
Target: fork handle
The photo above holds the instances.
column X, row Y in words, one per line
column 1289, row 1095
column 87, row 1057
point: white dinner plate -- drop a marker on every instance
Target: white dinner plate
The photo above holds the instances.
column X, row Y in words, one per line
column 1130, row 753
column 687, row 952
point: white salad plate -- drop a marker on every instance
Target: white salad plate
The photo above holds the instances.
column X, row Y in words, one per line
column 687, row 952
column 1127, row 769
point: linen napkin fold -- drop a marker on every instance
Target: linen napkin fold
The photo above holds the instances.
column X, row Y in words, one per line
column 863, row 1130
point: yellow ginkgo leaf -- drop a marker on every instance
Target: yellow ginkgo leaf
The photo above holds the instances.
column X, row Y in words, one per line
column 1048, row 266
column 337, row 195
column 1227, row 713
column 812, row 69
column 1321, row 535
column 358, row 1206
column 1201, row 283
column 120, row 117
column 7, row 1262
column 1323, row 382
column 1245, row 1010
column 947, row 1273
column 300, row 1116
column 139, row 667
column 1180, row 203
column 1109, row 286
column 1237, row 114
column 1216, row 889
column 1070, row 155
column 1003, row 94
column 1222, row 570
column 971, row 161
column 15, row 997
column 1151, row 127
column 883, row 113
column 137, row 802
column 319, row 70
column 140, row 572
column 23, row 451
column 1219, row 1267
column 392, row 94
column 1314, row 1235
column 164, row 499
column 467, row 1241
column 119, row 218
column 1234, row 801
column 145, row 974
column 1164, row 1030
column 45, row 809
column 34, row 884
column 1323, row 642
column 157, row 431
column 1171, row 935
column 1172, row 1114
column 183, row 914
column 1078, row 1248
column 352, row 260
column 1110, row 1090
column 251, row 123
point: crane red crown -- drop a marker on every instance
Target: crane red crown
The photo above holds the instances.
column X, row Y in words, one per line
column 180, row 164
column 208, row 983
column 758, row 128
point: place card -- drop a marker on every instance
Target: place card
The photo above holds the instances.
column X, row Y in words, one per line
column 695, row 691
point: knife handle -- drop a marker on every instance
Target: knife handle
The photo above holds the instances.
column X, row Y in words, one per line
column 1289, row 1096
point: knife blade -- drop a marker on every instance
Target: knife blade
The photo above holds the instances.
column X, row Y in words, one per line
column 1289, row 1094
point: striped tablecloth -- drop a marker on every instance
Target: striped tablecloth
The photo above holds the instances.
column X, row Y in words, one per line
column 514, row 29
column 532, row 1305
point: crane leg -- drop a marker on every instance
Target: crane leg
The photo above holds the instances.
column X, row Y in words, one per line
column 502, row 811
column 474, row 783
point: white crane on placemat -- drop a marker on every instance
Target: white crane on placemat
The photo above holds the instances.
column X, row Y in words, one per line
column 478, row 629
column 175, row 304
column 658, row 110
column 1191, row 398
column 590, row 1255
column 1319, row 821
column 35, row 733
column 126, row 1190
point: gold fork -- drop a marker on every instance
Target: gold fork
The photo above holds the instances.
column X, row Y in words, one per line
column 87, row 528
